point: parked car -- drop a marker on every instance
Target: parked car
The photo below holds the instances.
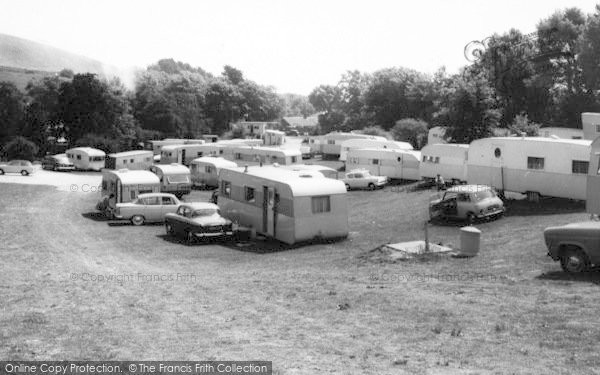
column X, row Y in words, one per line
column 23, row 167
column 576, row 245
column 59, row 162
column 363, row 179
column 197, row 220
column 467, row 202
column 149, row 207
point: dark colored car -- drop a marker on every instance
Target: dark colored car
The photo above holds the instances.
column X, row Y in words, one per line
column 576, row 245
column 58, row 162
column 197, row 220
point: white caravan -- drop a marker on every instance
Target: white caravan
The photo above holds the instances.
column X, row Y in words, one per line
column 262, row 155
column 592, row 203
column 331, row 144
column 205, row 170
column 446, row 159
column 283, row 205
column 353, row 144
column 86, row 158
column 533, row 165
column 184, row 154
column 395, row 164
column 325, row 171
column 158, row 145
column 139, row 159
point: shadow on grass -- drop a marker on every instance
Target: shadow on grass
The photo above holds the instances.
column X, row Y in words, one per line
column 546, row 206
column 258, row 246
column 96, row 216
column 592, row 276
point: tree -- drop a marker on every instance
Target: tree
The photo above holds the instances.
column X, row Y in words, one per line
column 12, row 104
column 235, row 76
column 297, row 105
column 42, row 117
column 521, row 124
column 377, row 131
column 589, row 55
column 411, row 130
column 327, row 99
column 20, row 148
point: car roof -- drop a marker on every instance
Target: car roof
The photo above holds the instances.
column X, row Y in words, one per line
column 146, row 195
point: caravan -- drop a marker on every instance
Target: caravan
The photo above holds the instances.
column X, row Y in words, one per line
column 124, row 185
column 86, row 158
column 283, row 205
column 395, row 164
column 174, row 178
column 325, row 171
column 205, row 170
column 533, row 165
column 331, row 144
column 184, row 154
column 358, row 143
column 445, row 159
column 130, row 159
column 262, row 155
column 158, row 145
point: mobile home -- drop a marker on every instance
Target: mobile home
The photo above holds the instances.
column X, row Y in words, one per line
column 174, row 178
column 273, row 137
column 205, row 170
column 357, row 143
column 533, row 165
column 590, row 122
column 395, row 164
column 86, row 158
column 331, row 144
column 184, row 154
column 263, row 155
column 242, row 142
column 314, row 143
column 326, row 171
column 446, row 159
column 124, row 185
column 283, row 205
column 592, row 203
column 158, row 145
column 130, row 159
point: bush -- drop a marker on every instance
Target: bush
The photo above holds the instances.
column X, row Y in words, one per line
column 411, row 130
column 20, row 148
column 521, row 124
column 378, row 131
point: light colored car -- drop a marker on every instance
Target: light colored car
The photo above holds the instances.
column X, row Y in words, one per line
column 197, row 220
column 149, row 207
column 467, row 202
column 23, row 167
column 363, row 179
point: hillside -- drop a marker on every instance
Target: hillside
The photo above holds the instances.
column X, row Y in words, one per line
column 22, row 60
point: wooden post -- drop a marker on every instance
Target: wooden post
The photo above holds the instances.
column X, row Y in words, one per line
column 426, row 238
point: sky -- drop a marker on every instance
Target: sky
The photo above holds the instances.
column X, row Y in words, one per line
column 293, row 46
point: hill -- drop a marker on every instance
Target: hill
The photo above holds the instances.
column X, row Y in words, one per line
column 22, row 60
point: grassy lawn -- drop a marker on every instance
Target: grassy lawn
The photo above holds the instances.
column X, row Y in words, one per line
column 327, row 308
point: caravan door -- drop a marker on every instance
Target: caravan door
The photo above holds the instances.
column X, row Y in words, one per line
column 496, row 178
column 268, row 211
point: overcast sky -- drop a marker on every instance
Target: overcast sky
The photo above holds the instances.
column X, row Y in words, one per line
column 291, row 45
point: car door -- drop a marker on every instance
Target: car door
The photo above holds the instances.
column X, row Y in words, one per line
column 168, row 206
column 179, row 222
column 359, row 181
column 463, row 205
column 14, row 167
column 153, row 209
column 450, row 205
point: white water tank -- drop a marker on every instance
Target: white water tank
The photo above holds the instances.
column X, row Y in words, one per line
column 469, row 241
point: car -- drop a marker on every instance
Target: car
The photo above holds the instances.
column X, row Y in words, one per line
column 576, row 246
column 23, row 167
column 148, row 207
column 467, row 202
column 363, row 179
column 197, row 220
column 59, row 162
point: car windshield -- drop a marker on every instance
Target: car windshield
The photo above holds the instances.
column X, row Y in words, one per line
column 484, row 194
column 204, row 212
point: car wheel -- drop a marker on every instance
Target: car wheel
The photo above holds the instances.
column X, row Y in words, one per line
column 189, row 237
column 574, row 260
column 371, row 186
column 137, row 220
column 470, row 218
column 169, row 229
column 24, row 173
column 1, row 171
column 347, row 187
column 55, row 168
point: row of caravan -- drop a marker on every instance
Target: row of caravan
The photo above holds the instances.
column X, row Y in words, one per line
column 536, row 165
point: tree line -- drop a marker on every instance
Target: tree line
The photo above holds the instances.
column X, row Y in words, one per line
column 514, row 81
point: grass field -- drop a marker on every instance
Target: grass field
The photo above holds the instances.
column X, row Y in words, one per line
column 76, row 287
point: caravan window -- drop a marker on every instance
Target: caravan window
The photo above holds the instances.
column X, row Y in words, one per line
column 124, row 161
column 535, row 163
column 238, row 156
column 220, row 151
column 376, row 161
column 580, row 166
column 226, row 188
column 199, row 153
column 207, row 169
column 331, row 141
column 320, row 204
column 424, row 158
column 399, row 159
column 78, row 157
column 437, row 160
column 294, row 159
column 131, row 161
column 249, row 194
